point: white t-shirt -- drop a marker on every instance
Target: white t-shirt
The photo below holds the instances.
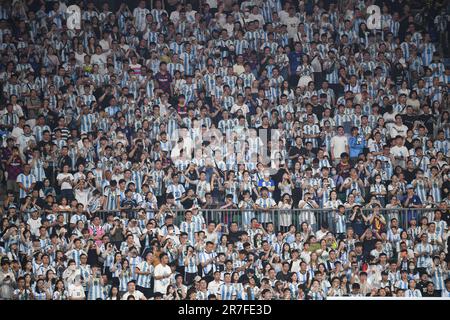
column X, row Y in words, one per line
column 398, row 131
column 283, row 15
column 137, row 295
column 65, row 185
column 212, row 3
column 79, row 57
column 76, row 291
column 82, row 196
column 99, row 59
column 397, row 151
column 162, row 284
column 104, row 44
column 213, row 286
column 292, row 25
column 34, row 226
column 339, row 143
column 213, row 236
column 258, row 17
column 235, row 108
column 17, row 132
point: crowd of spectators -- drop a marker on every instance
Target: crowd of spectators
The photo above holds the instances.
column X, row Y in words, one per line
column 248, row 150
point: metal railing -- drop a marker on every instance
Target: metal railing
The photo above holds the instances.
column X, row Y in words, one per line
column 280, row 218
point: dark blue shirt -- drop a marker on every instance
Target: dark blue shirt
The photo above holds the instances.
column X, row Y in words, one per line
column 295, row 58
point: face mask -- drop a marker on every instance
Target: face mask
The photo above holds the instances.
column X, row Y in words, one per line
column 378, row 180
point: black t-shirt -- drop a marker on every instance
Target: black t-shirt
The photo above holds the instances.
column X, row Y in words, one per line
column 422, row 286
column 220, row 267
column 283, row 276
column 234, row 236
column 192, row 175
column 58, row 227
column 106, row 101
column 408, row 145
column 143, row 52
column 408, row 120
column 446, row 218
column 432, row 294
column 92, row 257
column 318, row 111
column 368, row 245
column 297, row 151
column 45, row 204
column 409, row 175
column 243, row 279
column 188, row 203
column 39, row 202
column 34, row 5
column 42, row 143
column 360, row 257
column 65, row 160
column 445, row 189
column 428, row 121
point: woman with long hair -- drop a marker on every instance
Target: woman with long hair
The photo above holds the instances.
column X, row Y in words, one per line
column 257, row 240
column 443, row 123
column 285, row 214
column 305, row 69
column 238, row 286
column 171, row 293
column 41, row 291
column 60, row 292
column 314, row 262
column 363, row 34
column 276, row 263
column 124, row 276
column 315, row 292
column 59, row 263
column 286, row 252
column 114, row 293
column 116, row 269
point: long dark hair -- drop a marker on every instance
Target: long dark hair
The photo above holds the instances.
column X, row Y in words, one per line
column 118, row 292
column 58, row 281
column 361, row 32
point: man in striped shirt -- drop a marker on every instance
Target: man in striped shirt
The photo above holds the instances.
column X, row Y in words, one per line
column 226, row 289
column 144, row 271
column 207, row 259
column 26, row 181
